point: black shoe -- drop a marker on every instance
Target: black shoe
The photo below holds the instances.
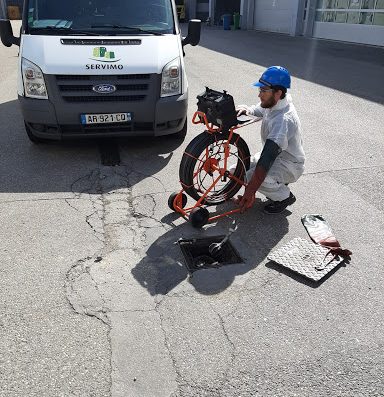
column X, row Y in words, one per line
column 275, row 207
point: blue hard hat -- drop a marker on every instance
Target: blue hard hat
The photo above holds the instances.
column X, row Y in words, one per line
column 274, row 75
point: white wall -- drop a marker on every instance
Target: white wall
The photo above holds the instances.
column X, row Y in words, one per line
column 364, row 34
column 276, row 15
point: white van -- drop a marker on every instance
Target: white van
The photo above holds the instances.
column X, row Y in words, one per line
column 101, row 68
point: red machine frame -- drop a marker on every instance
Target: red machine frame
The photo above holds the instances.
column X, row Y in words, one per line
column 210, row 164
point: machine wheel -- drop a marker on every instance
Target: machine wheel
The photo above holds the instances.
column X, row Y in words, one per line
column 172, row 197
column 32, row 137
column 206, row 150
column 199, row 217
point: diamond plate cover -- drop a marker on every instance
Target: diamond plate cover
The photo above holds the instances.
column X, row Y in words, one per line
column 305, row 258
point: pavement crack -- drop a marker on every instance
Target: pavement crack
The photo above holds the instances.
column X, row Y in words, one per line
column 70, row 205
column 343, row 169
column 98, row 235
column 83, row 293
column 35, row 200
column 133, row 311
column 233, row 347
column 167, row 345
column 121, row 223
column 151, row 177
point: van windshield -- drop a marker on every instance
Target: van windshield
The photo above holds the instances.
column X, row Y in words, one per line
column 105, row 17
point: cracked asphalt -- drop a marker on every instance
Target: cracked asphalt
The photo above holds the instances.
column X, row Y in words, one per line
column 95, row 299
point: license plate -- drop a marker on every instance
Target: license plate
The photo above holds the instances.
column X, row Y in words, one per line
column 106, row 118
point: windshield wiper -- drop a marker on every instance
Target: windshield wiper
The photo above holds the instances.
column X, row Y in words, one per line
column 130, row 28
column 63, row 29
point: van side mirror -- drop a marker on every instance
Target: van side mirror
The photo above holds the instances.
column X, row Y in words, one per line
column 6, row 33
column 194, row 29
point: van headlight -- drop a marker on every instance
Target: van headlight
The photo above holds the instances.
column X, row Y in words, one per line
column 171, row 78
column 33, row 79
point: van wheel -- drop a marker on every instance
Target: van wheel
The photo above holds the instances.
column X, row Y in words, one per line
column 180, row 134
column 32, row 137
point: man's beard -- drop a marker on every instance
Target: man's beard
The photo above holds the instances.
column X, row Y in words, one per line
column 268, row 104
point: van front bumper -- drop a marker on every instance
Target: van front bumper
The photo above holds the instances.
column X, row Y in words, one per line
column 62, row 120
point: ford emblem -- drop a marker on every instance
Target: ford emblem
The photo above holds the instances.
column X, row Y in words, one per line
column 104, row 88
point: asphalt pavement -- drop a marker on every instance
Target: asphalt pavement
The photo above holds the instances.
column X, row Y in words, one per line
column 95, row 297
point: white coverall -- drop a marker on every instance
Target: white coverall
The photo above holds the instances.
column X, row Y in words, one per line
column 280, row 124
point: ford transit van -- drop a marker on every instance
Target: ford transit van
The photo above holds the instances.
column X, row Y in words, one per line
column 101, row 68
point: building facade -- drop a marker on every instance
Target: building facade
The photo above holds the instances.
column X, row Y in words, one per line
column 356, row 21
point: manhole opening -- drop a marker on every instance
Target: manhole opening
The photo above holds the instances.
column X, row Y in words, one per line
column 109, row 153
column 197, row 256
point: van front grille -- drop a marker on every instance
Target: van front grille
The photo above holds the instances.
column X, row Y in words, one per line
column 105, row 98
column 89, row 88
column 63, row 77
column 129, row 88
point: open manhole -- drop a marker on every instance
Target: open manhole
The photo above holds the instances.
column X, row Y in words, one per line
column 197, row 255
column 109, row 152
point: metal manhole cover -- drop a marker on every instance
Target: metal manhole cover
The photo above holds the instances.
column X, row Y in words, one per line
column 306, row 258
column 197, row 256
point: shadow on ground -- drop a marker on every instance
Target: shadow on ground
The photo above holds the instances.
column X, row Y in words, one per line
column 163, row 267
column 72, row 166
column 350, row 68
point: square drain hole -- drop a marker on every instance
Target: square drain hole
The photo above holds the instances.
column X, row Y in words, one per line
column 197, row 256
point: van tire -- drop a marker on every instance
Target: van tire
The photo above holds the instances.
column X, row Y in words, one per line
column 182, row 133
column 32, row 137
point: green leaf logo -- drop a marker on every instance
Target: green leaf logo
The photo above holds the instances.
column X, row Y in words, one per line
column 101, row 54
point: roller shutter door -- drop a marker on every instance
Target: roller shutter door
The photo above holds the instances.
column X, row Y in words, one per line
column 274, row 15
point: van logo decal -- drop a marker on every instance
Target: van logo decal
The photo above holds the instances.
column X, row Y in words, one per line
column 101, row 54
column 104, row 88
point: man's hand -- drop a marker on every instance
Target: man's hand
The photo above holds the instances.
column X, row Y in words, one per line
column 263, row 165
column 246, row 202
column 241, row 110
